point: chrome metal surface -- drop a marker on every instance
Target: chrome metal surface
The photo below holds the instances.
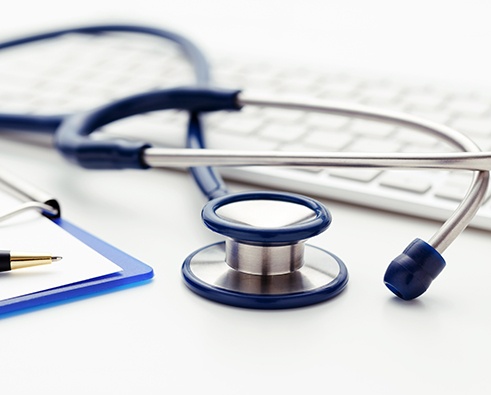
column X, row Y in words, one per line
column 264, row 259
column 263, row 213
column 320, row 269
column 174, row 157
column 41, row 207
column 34, row 197
column 23, row 188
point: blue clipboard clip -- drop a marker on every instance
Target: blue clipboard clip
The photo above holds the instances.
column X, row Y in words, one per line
column 132, row 270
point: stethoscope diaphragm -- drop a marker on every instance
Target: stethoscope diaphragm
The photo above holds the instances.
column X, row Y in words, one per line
column 264, row 262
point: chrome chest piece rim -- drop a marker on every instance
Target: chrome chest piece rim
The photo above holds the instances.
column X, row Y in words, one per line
column 264, row 262
column 322, row 276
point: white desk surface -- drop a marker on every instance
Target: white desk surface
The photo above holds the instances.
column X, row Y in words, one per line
column 160, row 337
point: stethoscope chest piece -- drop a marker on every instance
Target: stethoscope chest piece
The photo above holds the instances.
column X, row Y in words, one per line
column 264, row 262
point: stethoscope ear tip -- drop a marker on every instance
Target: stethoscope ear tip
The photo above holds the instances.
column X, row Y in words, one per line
column 410, row 274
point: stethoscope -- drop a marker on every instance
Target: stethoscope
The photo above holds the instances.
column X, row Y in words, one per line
column 264, row 261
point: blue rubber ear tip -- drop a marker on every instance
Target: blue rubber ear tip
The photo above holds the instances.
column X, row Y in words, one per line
column 411, row 273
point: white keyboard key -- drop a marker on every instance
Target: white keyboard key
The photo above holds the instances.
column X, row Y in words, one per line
column 384, row 104
column 326, row 121
column 371, row 128
column 361, row 175
column 379, row 93
column 260, row 71
column 451, row 191
column 455, row 187
column 406, row 181
column 299, row 77
column 474, row 107
column 299, row 82
column 439, row 116
column 257, row 85
column 338, row 88
column 416, row 137
column 280, row 115
column 484, row 143
column 239, row 125
column 328, row 140
column 228, row 141
column 372, row 145
column 283, row 132
column 427, row 148
column 428, row 100
column 473, row 126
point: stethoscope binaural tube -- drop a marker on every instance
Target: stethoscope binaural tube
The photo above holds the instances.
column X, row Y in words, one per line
column 462, row 216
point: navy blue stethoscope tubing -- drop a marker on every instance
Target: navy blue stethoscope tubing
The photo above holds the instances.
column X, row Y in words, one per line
column 207, row 179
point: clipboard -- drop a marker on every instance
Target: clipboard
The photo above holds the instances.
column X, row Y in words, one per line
column 132, row 270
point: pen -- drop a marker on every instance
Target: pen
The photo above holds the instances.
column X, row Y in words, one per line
column 11, row 260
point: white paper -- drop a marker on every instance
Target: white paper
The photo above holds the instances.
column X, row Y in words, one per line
column 31, row 232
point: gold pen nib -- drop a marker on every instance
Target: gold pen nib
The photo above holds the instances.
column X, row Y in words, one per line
column 19, row 260
column 10, row 260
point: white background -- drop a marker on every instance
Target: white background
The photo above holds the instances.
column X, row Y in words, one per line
column 161, row 338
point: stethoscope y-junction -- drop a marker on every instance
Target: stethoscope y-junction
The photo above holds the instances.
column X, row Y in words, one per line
column 265, row 260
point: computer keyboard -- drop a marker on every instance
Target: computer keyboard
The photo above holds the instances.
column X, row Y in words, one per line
column 79, row 72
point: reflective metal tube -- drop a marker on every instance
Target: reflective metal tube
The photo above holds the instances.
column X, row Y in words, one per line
column 34, row 197
column 171, row 157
